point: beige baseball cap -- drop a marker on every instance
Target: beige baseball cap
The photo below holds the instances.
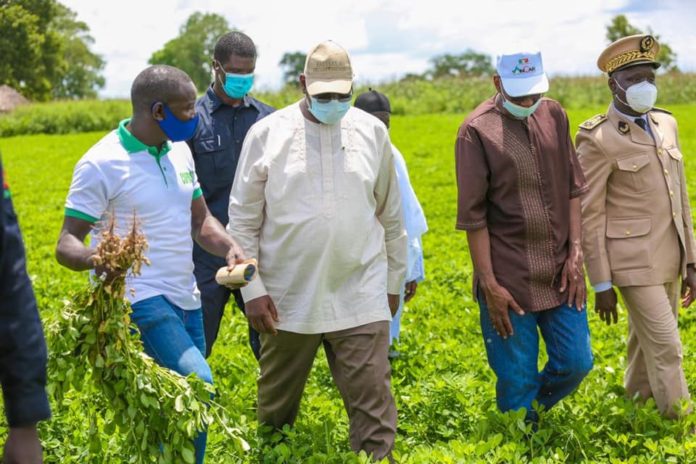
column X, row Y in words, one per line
column 328, row 69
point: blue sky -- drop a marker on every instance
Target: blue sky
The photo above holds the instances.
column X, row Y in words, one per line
column 386, row 38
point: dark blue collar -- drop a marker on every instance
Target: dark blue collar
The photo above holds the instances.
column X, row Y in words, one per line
column 213, row 102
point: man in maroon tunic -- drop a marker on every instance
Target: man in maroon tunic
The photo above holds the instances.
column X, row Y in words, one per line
column 519, row 202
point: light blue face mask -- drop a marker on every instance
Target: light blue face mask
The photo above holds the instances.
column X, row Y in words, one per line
column 520, row 112
column 329, row 112
column 237, row 85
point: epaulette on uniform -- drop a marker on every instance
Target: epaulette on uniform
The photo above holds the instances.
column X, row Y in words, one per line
column 661, row 110
column 593, row 122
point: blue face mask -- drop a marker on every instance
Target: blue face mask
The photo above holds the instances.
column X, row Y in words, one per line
column 237, row 85
column 175, row 129
column 329, row 112
column 520, row 112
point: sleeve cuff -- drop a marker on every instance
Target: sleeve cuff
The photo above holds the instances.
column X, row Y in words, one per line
column 417, row 271
column 397, row 257
column 197, row 193
column 70, row 212
column 27, row 408
column 254, row 290
column 467, row 226
column 394, row 283
column 602, row 286
column 578, row 192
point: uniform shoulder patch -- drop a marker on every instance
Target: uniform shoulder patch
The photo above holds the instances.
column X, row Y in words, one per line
column 593, row 122
column 661, row 110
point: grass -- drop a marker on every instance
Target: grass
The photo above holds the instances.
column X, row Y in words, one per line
column 443, row 386
column 64, row 117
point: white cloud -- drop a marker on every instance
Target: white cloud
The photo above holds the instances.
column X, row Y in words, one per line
column 387, row 38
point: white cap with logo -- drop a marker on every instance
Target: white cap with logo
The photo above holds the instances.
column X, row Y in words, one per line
column 522, row 73
column 328, row 69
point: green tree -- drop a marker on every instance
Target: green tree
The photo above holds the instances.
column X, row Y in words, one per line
column 46, row 52
column 621, row 27
column 293, row 65
column 192, row 50
column 30, row 50
column 81, row 72
column 467, row 64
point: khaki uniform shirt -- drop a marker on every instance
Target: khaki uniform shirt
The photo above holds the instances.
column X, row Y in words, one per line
column 637, row 227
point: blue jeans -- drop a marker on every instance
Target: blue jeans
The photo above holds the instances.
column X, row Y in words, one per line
column 174, row 338
column 515, row 360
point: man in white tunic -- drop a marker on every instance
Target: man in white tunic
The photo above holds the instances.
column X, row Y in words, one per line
column 316, row 201
column 377, row 104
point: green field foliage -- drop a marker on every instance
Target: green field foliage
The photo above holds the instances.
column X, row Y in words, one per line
column 408, row 97
column 64, row 117
column 456, row 95
column 444, row 389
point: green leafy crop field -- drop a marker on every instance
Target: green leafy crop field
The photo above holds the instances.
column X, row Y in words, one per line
column 443, row 386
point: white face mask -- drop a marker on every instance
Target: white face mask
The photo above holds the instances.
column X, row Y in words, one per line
column 640, row 97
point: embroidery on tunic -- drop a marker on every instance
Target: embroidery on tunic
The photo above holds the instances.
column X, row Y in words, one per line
column 540, row 253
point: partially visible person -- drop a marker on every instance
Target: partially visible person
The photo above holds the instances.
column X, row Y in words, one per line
column 316, row 201
column 519, row 185
column 22, row 344
column 377, row 104
column 637, row 227
column 226, row 112
column 136, row 169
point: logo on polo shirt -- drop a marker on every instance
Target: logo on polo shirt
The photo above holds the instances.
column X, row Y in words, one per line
column 523, row 67
column 187, row 177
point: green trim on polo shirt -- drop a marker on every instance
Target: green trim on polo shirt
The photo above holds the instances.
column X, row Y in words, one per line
column 80, row 215
column 197, row 193
column 133, row 145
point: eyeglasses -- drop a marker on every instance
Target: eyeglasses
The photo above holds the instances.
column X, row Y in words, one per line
column 343, row 98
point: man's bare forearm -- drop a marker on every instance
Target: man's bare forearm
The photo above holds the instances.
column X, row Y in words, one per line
column 207, row 231
column 71, row 251
column 73, row 254
column 213, row 237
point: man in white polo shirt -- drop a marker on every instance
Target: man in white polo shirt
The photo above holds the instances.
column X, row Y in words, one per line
column 316, row 200
column 136, row 169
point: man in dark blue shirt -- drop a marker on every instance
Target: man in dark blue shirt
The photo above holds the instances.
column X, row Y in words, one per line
column 22, row 344
column 226, row 114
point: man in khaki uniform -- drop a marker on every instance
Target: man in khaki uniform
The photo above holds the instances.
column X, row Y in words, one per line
column 637, row 228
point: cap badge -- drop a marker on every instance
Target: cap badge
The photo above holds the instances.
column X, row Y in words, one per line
column 646, row 43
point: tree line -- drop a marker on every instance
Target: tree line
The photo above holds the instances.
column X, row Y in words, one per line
column 47, row 52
